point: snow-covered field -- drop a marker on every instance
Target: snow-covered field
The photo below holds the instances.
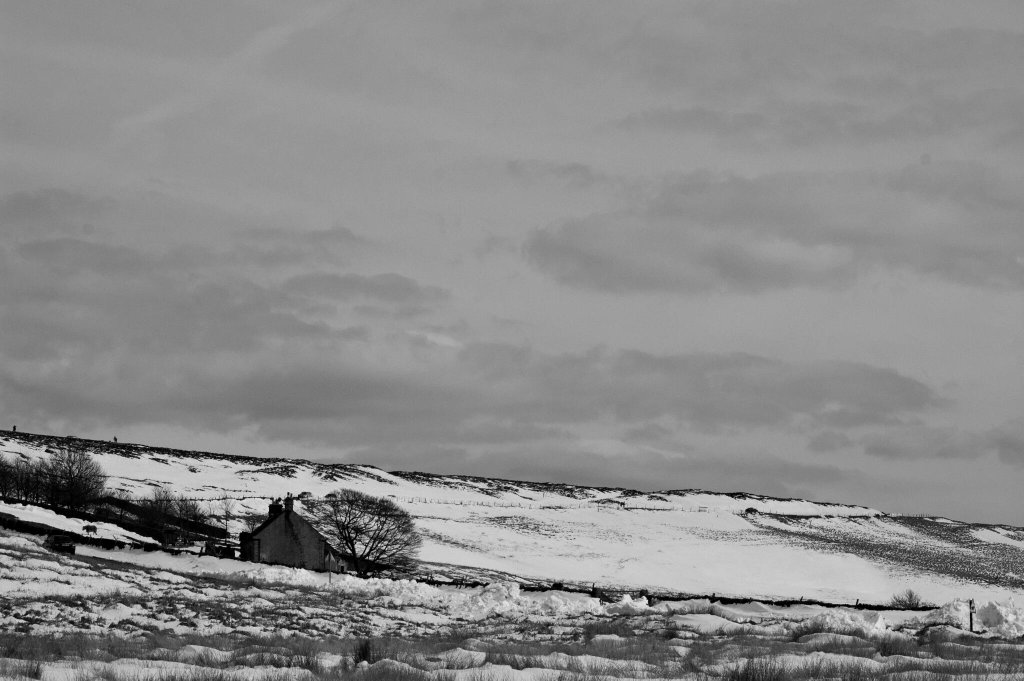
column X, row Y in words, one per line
column 130, row 614
column 683, row 542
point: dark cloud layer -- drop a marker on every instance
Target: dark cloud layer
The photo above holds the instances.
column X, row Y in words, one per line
column 47, row 210
column 713, row 232
column 389, row 287
column 933, row 443
column 842, row 120
column 708, row 391
column 104, row 331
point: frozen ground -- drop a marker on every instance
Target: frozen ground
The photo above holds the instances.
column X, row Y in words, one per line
column 133, row 615
column 680, row 541
column 684, row 542
column 129, row 615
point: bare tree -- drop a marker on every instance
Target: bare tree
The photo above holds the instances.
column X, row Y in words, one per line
column 158, row 507
column 121, row 495
column 28, row 480
column 372, row 530
column 227, row 510
column 189, row 509
column 6, row 477
column 251, row 520
column 74, row 480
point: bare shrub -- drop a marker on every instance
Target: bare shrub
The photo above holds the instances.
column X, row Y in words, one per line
column 373, row 650
column 905, row 600
column 14, row 669
column 894, row 644
column 808, row 627
column 841, row 646
column 392, row 672
column 759, row 669
column 615, row 627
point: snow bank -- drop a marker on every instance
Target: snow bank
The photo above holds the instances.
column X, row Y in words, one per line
column 1002, row 618
column 505, row 598
column 841, row 621
column 627, row 606
column 43, row 516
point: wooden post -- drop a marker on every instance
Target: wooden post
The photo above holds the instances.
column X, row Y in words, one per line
column 971, row 625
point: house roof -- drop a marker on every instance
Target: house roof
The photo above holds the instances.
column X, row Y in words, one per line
column 338, row 552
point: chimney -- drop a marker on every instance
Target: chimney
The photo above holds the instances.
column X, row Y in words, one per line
column 289, row 503
column 275, row 508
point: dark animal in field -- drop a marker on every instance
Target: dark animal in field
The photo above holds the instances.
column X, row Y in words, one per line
column 89, row 529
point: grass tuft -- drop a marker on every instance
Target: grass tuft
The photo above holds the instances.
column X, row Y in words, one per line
column 758, row 669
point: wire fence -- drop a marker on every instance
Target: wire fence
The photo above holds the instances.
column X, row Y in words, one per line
column 552, row 504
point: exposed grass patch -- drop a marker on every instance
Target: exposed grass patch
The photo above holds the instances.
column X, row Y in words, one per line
column 30, row 669
column 465, row 653
column 758, row 669
column 888, row 645
column 607, row 627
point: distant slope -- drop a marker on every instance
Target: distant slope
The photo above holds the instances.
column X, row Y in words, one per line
column 689, row 541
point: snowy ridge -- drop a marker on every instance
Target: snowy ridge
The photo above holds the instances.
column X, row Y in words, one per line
column 685, row 541
column 190, row 471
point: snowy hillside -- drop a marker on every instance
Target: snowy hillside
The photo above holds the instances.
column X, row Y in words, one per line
column 685, row 541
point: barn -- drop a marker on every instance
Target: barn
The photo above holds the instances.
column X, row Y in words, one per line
column 286, row 538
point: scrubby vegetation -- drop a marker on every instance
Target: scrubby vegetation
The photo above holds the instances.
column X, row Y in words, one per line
column 908, row 599
column 482, row 655
column 69, row 478
column 133, row 623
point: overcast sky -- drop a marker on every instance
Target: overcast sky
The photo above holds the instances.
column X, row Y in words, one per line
column 742, row 246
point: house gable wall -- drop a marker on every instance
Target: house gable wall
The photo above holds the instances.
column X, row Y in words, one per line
column 290, row 540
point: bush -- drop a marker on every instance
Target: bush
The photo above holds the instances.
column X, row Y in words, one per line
column 906, row 600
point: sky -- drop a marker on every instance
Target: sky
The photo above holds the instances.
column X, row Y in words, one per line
column 764, row 247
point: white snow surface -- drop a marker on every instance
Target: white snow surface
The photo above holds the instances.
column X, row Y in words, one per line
column 683, row 541
column 43, row 516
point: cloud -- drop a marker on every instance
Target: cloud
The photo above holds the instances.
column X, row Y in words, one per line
column 45, row 211
column 208, row 88
column 829, row 441
column 841, row 120
column 1007, row 441
column 388, row 287
column 713, row 232
column 919, row 442
column 278, row 247
column 575, row 175
column 925, row 442
column 706, row 391
column 210, row 354
column 70, row 255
